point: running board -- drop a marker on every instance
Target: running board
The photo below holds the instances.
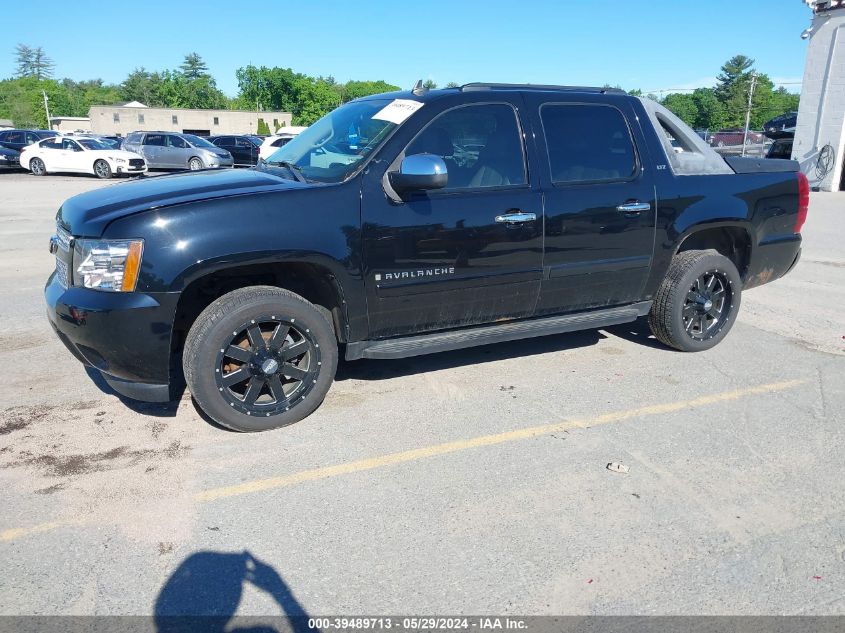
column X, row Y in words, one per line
column 498, row 333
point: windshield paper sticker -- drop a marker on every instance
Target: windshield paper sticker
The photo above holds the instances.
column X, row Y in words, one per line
column 397, row 111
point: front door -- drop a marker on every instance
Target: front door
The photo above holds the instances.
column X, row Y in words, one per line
column 599, row 204
column 467, row 254
column 177, row 152
column 242, row 153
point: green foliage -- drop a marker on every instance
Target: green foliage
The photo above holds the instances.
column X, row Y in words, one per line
column 307, row 98
column 725, row 106
column 169, row 89
column 452, row 84
column 356, row 89
column 683, row 106
column 32, row 62
column 430, row 84
column 194, row 67
column 263, row 128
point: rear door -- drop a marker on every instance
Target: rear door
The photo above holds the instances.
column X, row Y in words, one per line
column 15, row 140
column 448, row 258
column 599, row 194
column 151, row 148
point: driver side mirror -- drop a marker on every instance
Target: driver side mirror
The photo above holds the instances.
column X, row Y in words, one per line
column 420, row 172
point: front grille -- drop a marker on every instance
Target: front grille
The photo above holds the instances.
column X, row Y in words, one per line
column 136, row 162
column 63, row 238
column 62, row 272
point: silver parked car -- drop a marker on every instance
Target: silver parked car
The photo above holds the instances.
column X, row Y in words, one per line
column 171, row 150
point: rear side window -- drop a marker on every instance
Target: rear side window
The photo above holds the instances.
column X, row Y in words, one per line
column 15, row 137
column 154, row 139
column 588, row 143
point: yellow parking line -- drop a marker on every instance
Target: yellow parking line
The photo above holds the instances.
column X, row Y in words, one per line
column 16, row 533
column 483, row 440
column 440, row 449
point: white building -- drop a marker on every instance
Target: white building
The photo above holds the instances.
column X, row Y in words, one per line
column 820, row 134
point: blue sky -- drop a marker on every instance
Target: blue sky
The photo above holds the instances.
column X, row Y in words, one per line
column 647, row 44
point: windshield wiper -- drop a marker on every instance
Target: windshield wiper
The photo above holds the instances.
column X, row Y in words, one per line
column 291, row 168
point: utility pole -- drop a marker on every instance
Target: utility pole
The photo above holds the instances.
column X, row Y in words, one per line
column 46, row 108
column 748, row 111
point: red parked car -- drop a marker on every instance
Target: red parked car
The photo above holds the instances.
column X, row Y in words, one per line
column 724, row 138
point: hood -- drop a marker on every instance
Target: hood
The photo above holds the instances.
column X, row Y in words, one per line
column 119, row 153
column 87, row 214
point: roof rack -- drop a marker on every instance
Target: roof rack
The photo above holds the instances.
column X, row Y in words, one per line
column 493, row 86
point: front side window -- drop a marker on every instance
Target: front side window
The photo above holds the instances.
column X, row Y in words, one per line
column 196, row 141
column 333, row 148
column 175, row 141
column 587, row 143
column 68, row 144
column 481, row 146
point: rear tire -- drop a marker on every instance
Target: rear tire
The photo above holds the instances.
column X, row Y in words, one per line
column 698, row 301
column 37, row 167
column 260, row 358
column 102, row 169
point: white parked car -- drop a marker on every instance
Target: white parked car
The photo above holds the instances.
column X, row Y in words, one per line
column 82, row 155
column 280, row 139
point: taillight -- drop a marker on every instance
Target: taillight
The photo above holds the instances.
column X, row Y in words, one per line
column 803, row 201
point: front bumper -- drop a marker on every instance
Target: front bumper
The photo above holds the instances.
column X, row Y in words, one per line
column 221, row 162
column 129, row 169
column 126, row 336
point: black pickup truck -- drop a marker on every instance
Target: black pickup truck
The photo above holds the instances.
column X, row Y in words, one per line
column 410, row 223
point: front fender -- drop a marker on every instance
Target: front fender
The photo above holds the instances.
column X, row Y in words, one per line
column 185, row 242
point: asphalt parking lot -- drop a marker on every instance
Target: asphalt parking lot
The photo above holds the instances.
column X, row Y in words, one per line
column 470, row 482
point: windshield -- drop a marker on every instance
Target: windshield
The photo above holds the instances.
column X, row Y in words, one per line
column 93, row 143
column 331, row 149
column 196, row 141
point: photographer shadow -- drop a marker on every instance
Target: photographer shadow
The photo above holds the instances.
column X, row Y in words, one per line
column 204, row 592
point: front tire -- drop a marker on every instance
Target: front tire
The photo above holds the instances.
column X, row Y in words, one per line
column 195, row 164
column 260, row 358
column 102, row 169
column 37, row 167
column 698, row 301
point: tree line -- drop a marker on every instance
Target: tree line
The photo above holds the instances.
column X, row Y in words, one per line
column 263, row 88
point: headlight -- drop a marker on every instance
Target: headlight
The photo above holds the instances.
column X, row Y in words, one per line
column 119, row 160
column 111, row 265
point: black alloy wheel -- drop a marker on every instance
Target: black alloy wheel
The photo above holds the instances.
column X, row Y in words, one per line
column 707, row 305
column 698, row 301
column 269, row 365
column 260, row 357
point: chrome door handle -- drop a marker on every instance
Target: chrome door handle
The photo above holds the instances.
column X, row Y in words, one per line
column 517, row 217
column 632, row 209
